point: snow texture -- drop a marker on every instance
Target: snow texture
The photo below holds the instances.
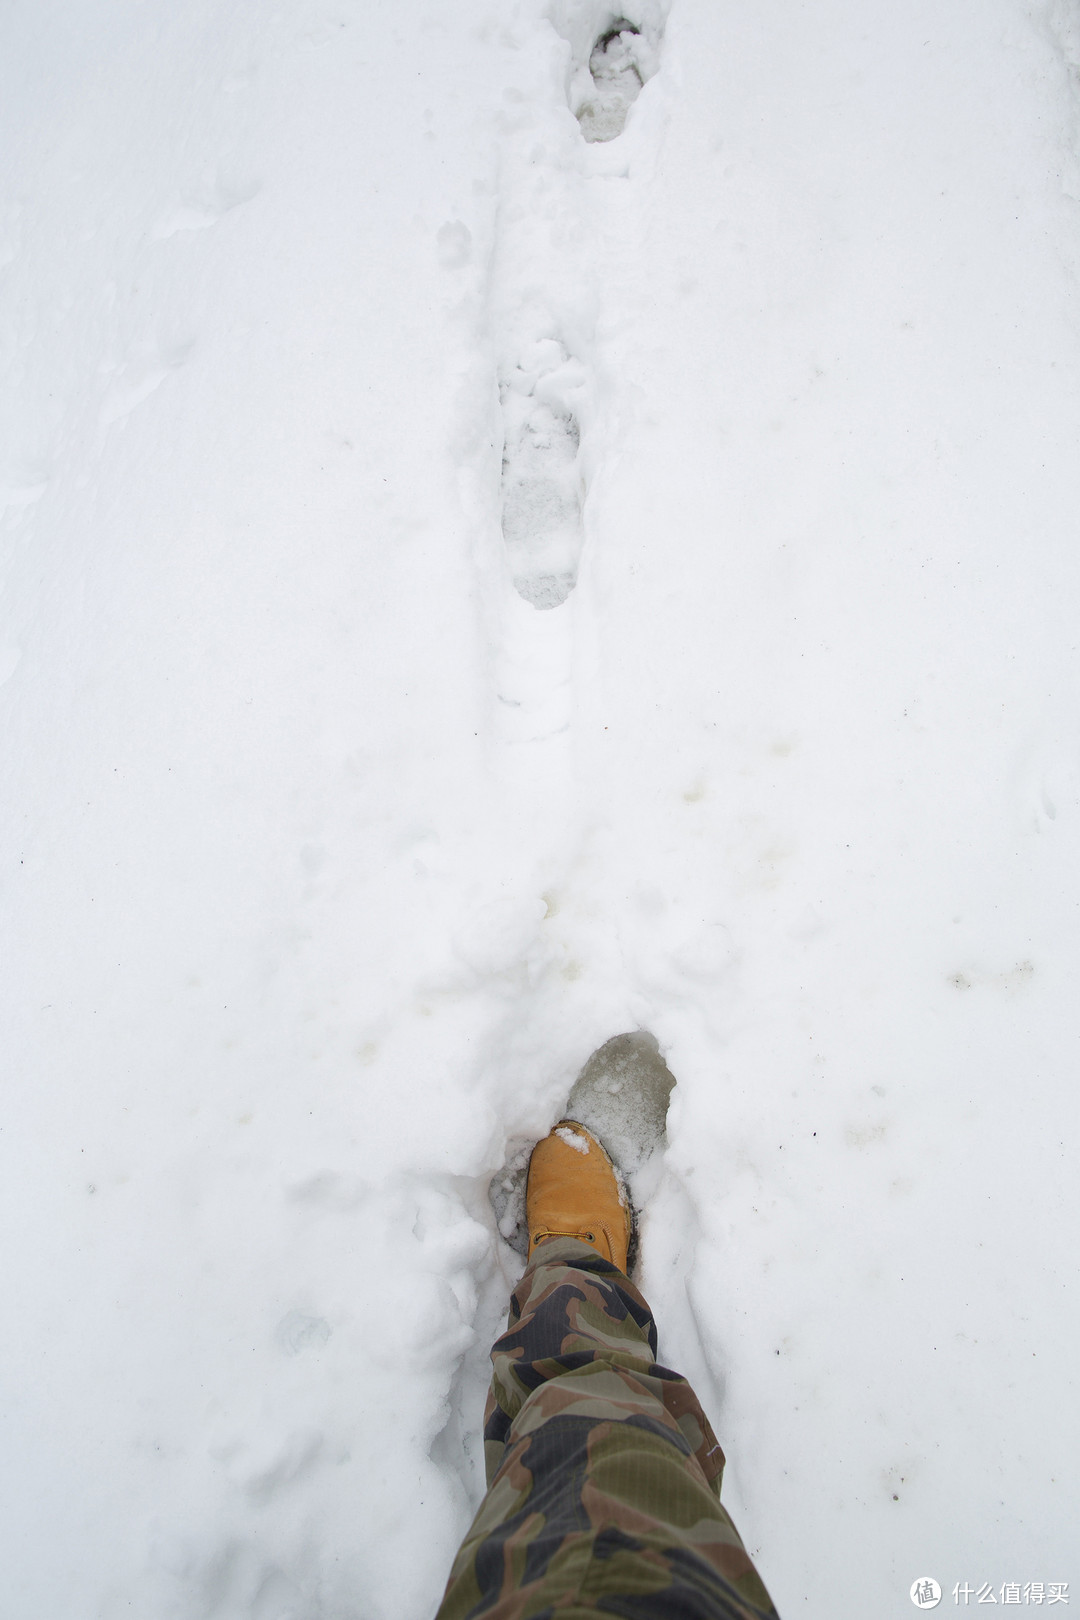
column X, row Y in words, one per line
column 521, row 522
column 572, row 1139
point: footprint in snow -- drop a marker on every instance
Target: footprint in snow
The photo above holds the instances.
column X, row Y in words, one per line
column 620, row 62
column 622, row 1096
column 541, row 477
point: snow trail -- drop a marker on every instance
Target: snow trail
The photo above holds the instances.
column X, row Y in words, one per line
column 358, row 786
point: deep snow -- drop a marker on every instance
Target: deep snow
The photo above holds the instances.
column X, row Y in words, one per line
column 328, row 857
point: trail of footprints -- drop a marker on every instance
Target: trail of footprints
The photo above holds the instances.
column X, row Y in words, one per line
column 542, row 481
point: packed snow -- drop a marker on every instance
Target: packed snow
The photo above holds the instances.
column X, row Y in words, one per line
column 524, row 523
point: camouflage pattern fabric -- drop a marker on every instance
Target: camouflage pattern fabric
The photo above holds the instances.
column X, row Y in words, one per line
column 603, row 1473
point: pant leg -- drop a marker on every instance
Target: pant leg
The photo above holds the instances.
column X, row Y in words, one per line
column 603, row 1473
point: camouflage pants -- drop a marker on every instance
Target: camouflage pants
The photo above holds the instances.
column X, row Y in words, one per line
column 603, row 1473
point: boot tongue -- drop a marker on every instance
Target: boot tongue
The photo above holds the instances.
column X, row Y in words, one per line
column 597, row 1237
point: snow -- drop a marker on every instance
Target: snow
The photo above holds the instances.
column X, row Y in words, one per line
column 329, row 857
column 572, row 1139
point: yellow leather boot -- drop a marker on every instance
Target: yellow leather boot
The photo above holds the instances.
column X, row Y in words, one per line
column 573, row 1191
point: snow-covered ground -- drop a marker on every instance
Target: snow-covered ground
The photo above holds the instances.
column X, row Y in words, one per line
column 329, row 856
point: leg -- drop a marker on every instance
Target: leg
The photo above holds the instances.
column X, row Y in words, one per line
column 603, row 1472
